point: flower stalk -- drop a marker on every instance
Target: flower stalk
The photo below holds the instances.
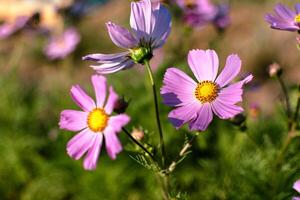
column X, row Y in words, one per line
column 161, row 137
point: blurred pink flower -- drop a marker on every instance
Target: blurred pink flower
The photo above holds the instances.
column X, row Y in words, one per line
column 62, row 45
column 196, row 102
column 94, row 122
column 7, row 29
column 199, row 13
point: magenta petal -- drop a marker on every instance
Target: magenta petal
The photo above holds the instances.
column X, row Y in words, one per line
column 80, row 97
column 204, row 64
column 111, row 101
column 91, row 159
column 297, row 8
column 112, row 143
column 296, row 198
column 118, row 121
column 73, row 120
column 141, row 18
column 178, row 88
column 99, row 83
column 184, row 114
column 121, row 36
column 204, row 117
column 230, row 71
column 224, row 110
column 296, row 186
column 80, row 144
column 284, row 12
column 277, row 23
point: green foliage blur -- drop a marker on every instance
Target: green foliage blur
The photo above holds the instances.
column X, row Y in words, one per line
column 226, row 162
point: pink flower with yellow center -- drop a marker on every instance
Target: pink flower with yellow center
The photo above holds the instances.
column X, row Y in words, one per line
column 94, row 122
column 196, row 102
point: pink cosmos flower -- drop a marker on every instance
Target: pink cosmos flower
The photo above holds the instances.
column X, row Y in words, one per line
column 196, row 102
column 284, row 18
column 8, row 29
column 62, row 45
column 94, row 123
column 296, row 187
column 150, row 24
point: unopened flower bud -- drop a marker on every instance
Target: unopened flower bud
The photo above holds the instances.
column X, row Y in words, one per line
column 121, row 105
column 275, row 70
column 137, row 134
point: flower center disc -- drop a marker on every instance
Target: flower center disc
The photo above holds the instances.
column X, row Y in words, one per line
column 97, row 120
column 206, row 91
column 297, row 19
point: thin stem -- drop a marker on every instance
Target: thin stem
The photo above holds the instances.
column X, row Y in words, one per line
column 296, row 115
column 181, row 154
column 161, row 137
column 138, row 143
column 286, row 96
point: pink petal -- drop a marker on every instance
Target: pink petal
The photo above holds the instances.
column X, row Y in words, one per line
column 184, row 114
column 80, row 97
column 80, row 144
column 99, row 83
column 178, row 88
column 225, row 110
column 204, row 64
column 296, row 186
column 232, row 94
column 73, row 120
column 230, row 71
column 111, row 101
column 121, row 36
column 90, row 160
column 204, row 117
column 112, row 143
column 118, row 121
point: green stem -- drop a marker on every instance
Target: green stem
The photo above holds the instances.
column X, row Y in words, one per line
column 161, row 137
column 296, row 115
column 138, row 143
column 181, row 154
column 286, row 96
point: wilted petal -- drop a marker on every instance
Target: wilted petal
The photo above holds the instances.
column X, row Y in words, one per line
column 204, row 117
column 80, row 97
column 73, row 120
column 230, row 71
column 121, row 36
column 91, row 159
column 141, row 18
column 109, row 68
column 99, row 83
column 178, row 88
column 106, row 58
column 204, row 64
column 80, row 144
column 112, row 143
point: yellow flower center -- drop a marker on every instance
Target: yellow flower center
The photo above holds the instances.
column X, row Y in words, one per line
column 297, row 19
column 97, row 120
column 206, row 91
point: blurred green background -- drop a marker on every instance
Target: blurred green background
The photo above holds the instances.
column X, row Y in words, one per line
column 225, row 163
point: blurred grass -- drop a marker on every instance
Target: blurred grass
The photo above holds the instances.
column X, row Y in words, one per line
column 225, row 163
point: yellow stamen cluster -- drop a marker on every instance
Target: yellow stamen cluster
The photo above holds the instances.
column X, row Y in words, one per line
column 297, row 19
column 206, row 91
column 97, row 120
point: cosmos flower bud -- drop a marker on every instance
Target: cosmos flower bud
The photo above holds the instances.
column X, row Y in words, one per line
column 141, row 54
column 275, row 70
column 121, row 105
column 137, row 134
